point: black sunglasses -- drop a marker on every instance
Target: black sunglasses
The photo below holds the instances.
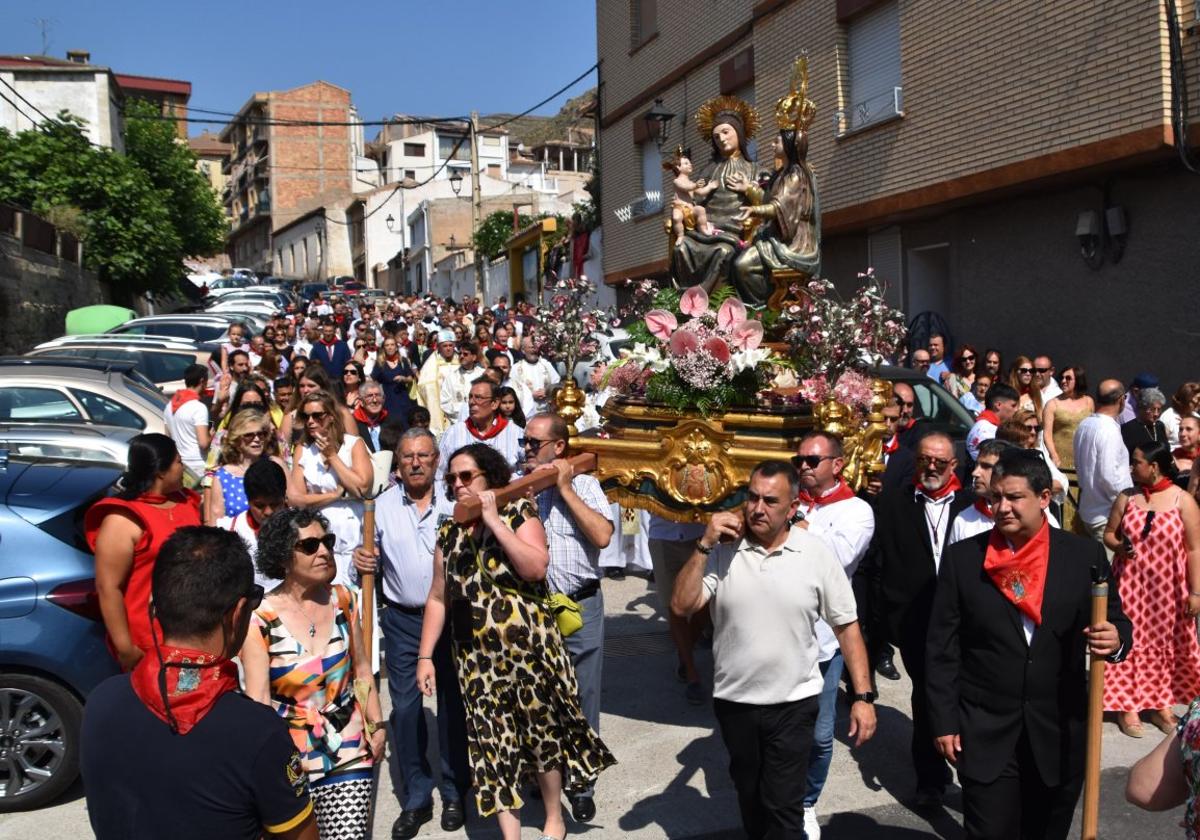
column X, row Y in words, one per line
column 810, row 461
column 1024, row 370
column 533, row 443
column 255, row 596
column 310, row 545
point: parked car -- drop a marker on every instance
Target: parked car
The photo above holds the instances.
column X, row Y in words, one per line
column 374, row 295
column 934, row 403
column 258, row 308
column 351, row 288
column 258, row 294
column 52, row 650
column 229, row 284
column 209, row 327
column 50, row 389
column 101, row 444
column 160, row 359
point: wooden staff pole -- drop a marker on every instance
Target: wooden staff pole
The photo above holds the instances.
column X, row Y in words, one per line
column 468, row 510
column 1091, row 779
column 368, row 579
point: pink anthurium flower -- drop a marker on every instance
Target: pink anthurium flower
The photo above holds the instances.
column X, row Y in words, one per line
column 718, row 349
column 661, row 323
column 684, row 342
column 694, row 302
column 747, row 335
column 731, row 313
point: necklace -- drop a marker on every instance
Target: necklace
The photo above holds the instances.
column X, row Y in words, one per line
column 312, row 624
column 1152, row 430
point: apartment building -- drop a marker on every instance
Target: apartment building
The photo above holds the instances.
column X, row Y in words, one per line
column 37, row 86
column 1012, row 166
column 292, row 151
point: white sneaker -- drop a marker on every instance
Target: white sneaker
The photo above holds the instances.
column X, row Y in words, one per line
column 812, row 828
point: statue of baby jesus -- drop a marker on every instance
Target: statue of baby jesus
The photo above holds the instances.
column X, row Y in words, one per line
column 685, row 213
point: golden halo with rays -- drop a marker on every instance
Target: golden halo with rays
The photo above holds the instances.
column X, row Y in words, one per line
column 710, row 112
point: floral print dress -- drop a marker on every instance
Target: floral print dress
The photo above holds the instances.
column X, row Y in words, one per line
column 518, row 685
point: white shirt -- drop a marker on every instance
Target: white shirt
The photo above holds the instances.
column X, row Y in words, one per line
column 983, row 429
column 241, row 526
column 846, row 528
column 764, row 609
column 457, row 436
column 182, row 425
column 456, row 387
column 529, row 377
column 1051, row 391
column 1102, row 464
column 937, row 521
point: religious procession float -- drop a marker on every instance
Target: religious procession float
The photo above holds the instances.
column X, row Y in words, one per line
column 747, row 349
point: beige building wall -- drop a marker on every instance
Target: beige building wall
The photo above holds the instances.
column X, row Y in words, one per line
column 996, row 96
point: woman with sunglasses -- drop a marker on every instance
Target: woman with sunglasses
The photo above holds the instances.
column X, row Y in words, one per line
column 331, row 470
column 250, row 436
column 1060, row 420
column 252, row 394
column 1020, row 376
column 518, row 685
column 364, row 352
column 304, row 656
column 313, row 379
column 353, row 377
column 1154, row 532
column 1023, row 430
column 394, row 372
column 962, row 371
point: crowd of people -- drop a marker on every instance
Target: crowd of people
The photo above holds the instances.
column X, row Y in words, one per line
column 975, row 565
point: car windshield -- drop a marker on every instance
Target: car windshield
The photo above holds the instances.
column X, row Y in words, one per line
column 145, row 389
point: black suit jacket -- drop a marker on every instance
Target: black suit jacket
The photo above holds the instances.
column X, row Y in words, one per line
column 985, row 683
column 907, row 574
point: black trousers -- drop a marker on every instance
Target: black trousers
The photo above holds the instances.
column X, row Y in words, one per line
column 1017, row 804
column 768, row 761
column 933, row 773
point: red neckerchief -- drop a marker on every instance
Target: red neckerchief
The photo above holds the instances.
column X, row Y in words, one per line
column 361, row 416
column 181, row 696
column 982, row 505
column 838, row 493
column 252, row 522
column 892, row 445
column 182, row 397
column 1020, row 575
column 1157, row 487
column 945, row 490
column 328, row 343
column 990, row 416
column 499, row 422
column 1190, row 454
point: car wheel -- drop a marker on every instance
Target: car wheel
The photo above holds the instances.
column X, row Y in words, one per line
column 39, row 741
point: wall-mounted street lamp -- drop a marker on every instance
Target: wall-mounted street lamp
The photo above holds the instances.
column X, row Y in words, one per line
column 658, row 121
column 1101, row 235
column 390, row 221
column 456, row 180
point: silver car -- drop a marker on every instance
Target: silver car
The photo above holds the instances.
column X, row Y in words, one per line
column 78, row 391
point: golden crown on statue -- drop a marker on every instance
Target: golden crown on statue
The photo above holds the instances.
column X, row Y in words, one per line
column 796, row 111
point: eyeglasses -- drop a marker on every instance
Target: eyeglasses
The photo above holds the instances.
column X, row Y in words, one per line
column 465, row 477
column 475, row 398
column 967, row 357
column 1034, row 428
column 930, row 461
column 314, row 415
column 904, row 403
column 372, row 395
column 418, row 456
column 534, row 444
column 258, row 434
column 810, row 461
column 350, row 373
column 255, row 596
column 1024, row 370
column 310, row 545
column 358, row 345
column 1042, row 370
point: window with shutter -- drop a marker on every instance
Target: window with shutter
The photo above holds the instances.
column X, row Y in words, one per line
column 873, row 68
column 652, row 179
column 643, row 22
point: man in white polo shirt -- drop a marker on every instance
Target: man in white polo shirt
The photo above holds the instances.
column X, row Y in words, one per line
column 768, row 584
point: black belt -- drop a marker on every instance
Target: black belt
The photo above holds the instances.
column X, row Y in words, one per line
column 586, row 591
column 395, row 605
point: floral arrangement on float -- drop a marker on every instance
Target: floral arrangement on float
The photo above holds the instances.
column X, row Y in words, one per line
column 691, row 351
column 568, row 322
column 834, row 341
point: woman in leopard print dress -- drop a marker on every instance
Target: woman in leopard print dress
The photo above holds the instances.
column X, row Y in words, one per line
column 518, row 686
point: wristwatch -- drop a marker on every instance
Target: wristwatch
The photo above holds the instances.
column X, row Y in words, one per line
column 702, row 548
column 372, row 727
column 865, row 697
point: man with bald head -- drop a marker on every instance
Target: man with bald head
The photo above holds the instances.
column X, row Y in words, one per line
column 1101, row 459
column 912, row 525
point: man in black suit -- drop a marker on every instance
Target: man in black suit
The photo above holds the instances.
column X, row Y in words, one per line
column 911, row 527
column 1007, row 678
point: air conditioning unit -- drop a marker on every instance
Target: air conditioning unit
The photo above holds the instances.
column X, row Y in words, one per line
column 879, row 108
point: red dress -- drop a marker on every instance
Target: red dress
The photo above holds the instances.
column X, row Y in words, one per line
column 1163, row 666
column 157, row 525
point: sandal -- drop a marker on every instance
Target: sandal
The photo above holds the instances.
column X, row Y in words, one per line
column 1133, row 730
column 1166, row 725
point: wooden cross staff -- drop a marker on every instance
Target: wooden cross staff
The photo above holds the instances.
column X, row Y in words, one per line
column 468, row 510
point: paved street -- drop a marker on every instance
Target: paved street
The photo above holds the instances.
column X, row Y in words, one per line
column 671, row 780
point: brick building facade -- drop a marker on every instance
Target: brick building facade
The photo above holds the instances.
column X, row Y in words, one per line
column 959, row 148
column 279, row 172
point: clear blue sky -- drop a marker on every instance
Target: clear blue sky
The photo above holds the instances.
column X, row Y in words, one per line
column 427, row 57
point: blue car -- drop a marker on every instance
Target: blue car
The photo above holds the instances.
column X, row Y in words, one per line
column 52, row 651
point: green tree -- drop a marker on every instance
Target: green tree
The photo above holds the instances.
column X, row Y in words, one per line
column 137, row 215
column 195, row 214
column 495, row 230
